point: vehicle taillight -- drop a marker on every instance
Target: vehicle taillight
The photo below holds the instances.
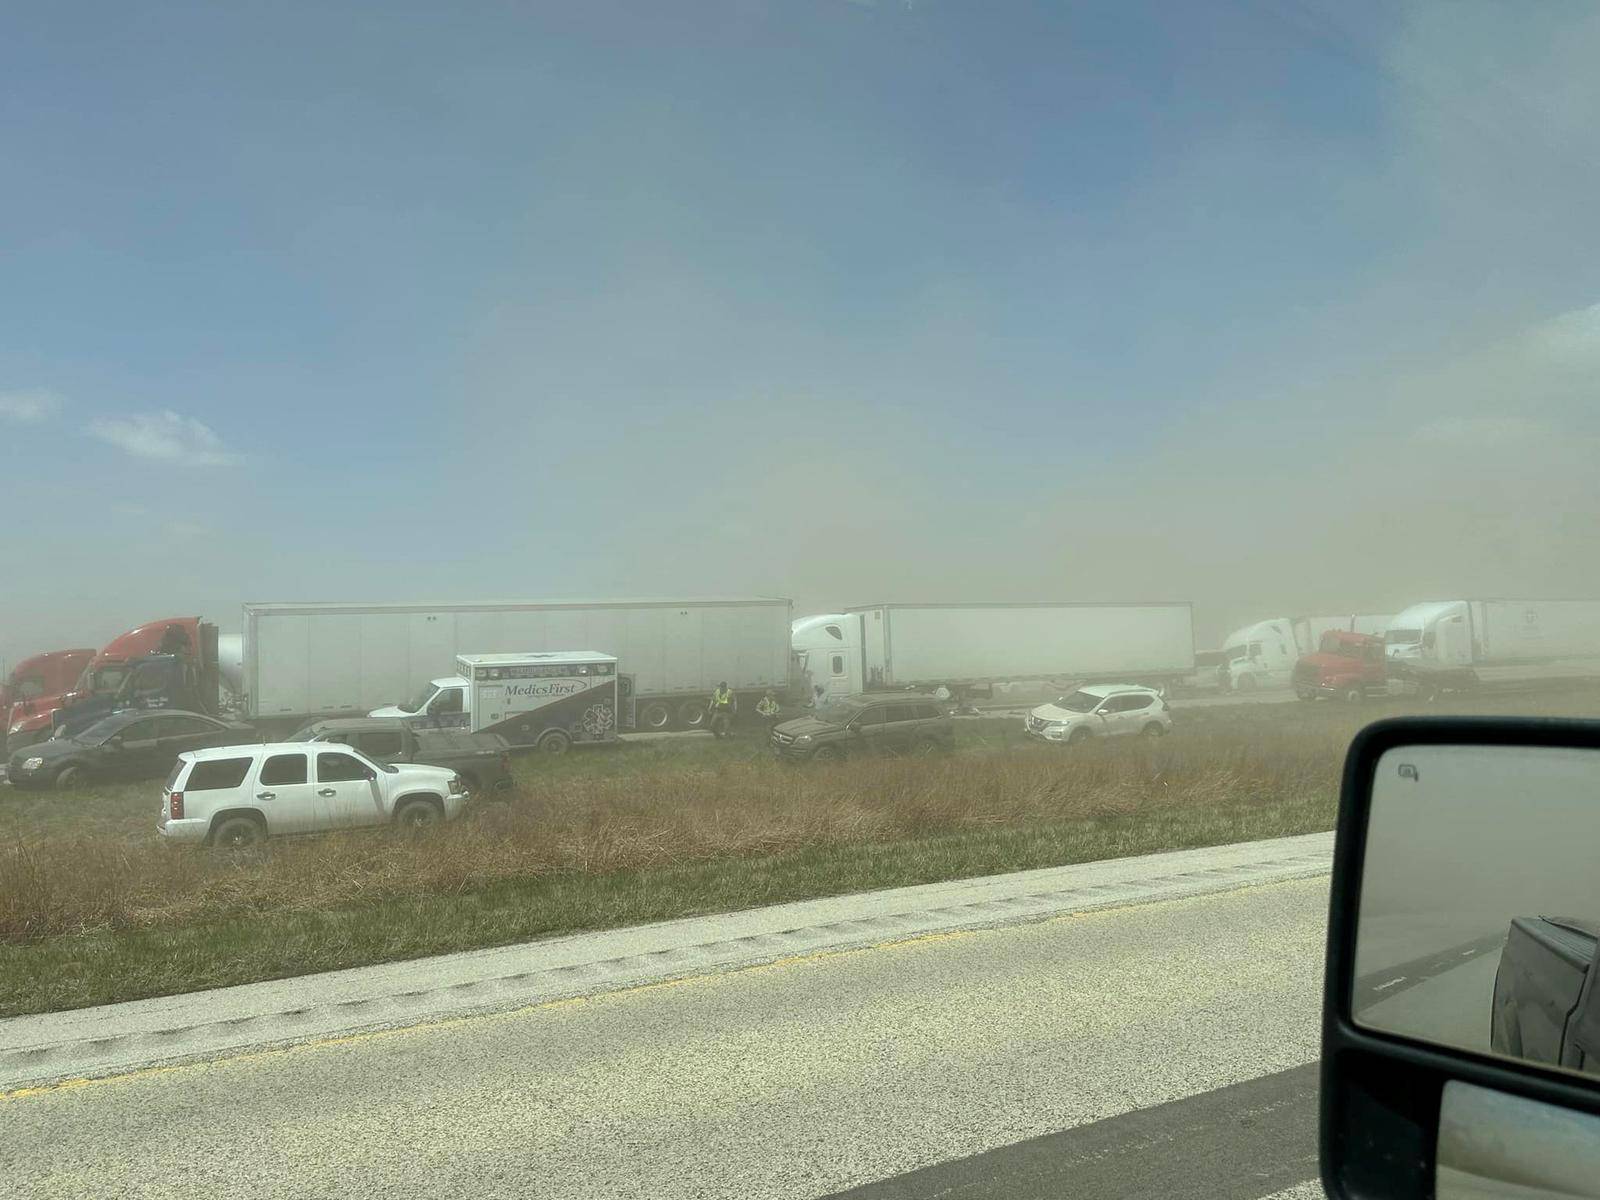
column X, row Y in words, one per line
column 175, row 807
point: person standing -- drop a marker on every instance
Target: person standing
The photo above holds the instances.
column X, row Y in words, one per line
column 723, row 705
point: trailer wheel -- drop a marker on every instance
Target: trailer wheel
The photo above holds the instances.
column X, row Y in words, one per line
column 554, row 742
column 655, row 715
column 692, row 714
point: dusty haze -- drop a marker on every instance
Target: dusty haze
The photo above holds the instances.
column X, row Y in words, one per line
column 917, row 309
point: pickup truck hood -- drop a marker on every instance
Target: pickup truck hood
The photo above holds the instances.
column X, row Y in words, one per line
column 390, row 710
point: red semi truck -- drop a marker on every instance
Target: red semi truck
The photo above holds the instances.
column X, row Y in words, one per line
column 36, row 685
column 103, row 674
column 1345, row 665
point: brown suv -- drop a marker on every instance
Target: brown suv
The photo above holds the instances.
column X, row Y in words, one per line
column 905, row 724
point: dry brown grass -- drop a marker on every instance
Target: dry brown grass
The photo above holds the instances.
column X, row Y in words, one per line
column 703, row 809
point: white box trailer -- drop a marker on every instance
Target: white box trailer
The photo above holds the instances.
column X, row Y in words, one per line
column 307, row 660
column 1469, row 640
column 551, row 700
column 971, row 647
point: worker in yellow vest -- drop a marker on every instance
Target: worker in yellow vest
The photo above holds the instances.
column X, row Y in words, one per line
column 723, row 705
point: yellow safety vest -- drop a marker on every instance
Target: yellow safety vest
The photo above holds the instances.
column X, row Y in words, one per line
column 722, row 699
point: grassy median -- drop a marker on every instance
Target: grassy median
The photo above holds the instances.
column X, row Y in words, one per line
column 94, row 909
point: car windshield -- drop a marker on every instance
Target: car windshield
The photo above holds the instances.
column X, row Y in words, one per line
column 1080, row 702
column 96, row 734
column 420, row 701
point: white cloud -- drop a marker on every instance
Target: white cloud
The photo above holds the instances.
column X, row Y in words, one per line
column 166, row 435
column 29, row 407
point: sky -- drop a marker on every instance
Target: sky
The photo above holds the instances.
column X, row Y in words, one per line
column 1277, row 307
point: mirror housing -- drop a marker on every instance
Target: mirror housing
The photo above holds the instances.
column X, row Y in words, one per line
column 1384, row 1094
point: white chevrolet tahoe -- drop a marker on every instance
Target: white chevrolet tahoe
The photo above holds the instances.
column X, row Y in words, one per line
column 238, row 795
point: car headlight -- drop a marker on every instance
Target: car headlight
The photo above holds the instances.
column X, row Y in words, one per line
column 804, row 739
column 17, row 728
column 456, row 787
column 32, row 764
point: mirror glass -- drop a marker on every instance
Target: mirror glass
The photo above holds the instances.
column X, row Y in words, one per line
column 1480, row 902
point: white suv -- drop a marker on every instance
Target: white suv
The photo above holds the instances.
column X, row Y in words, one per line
column 1102, row 710
column 237, row 795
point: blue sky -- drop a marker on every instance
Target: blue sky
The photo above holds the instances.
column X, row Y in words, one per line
column 832, row 300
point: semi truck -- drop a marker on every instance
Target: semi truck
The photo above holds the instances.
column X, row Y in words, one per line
column 1263, row 655
column 969, row 648
column 36, row 684
column 1445, row 644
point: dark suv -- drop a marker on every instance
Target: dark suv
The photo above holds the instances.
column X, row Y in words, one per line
column 906, row 724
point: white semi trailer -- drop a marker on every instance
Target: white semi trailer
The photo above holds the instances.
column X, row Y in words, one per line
column 968, row 648
column 1447, row 643
column 308, row 660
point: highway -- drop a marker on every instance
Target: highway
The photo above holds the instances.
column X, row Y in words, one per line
column 1162, row 1048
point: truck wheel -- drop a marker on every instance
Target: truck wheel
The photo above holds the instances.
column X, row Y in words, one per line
column 235, row 833
column 692, row 714
column 417, row 813
column 1247, row 683
column 655, row 715
column 69, row 777
column 554, row 742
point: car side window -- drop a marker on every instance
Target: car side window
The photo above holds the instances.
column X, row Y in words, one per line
column 179, row 726
column 333, row 767
column 873, row 716
column 379, row 743
column 215, row 774
column 139, row 731
column 284, row 768
column 1134, row 703
column 447, row 701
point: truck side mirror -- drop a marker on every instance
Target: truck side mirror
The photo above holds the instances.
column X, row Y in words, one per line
column 1464, row 910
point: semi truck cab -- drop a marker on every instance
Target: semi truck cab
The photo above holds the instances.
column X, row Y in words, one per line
column 36, row 685
column 1347, row 666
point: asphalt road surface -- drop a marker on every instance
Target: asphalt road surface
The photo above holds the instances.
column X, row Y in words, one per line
column 1158, row 1049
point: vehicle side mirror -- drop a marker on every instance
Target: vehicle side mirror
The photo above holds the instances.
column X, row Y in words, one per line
column 1464, row 912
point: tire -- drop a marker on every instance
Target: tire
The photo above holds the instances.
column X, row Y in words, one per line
column 1079, row 737
column 826, row 754
column 1154, row 730
column 554, row 741
column 417, row 813
column 237, row 833
column 1306, row 695
column 692, row 715
column 70, row 776
column 1353, row 695
column 655, row 715
column 1247, row 683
